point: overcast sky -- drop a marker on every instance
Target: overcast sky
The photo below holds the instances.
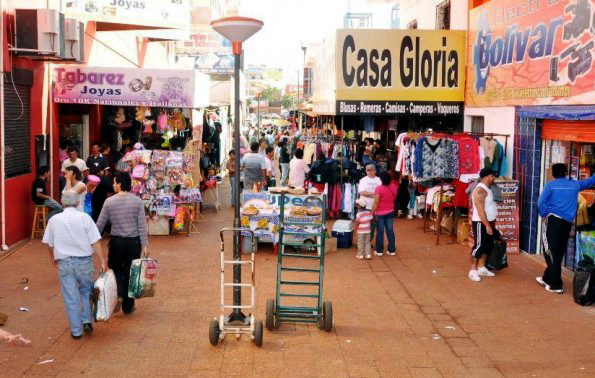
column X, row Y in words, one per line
column 289, row 24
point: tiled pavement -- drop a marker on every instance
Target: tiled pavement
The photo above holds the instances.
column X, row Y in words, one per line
column 415, row 314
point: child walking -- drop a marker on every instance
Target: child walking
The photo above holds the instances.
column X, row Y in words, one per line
column 362, row 229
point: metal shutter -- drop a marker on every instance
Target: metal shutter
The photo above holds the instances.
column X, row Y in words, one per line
column 17, row 128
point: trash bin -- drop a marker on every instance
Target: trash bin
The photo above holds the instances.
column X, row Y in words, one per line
column 343, row 230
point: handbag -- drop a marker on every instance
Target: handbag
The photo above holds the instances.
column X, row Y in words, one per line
column 143, row 273
column 583, row 283
column 497, row 259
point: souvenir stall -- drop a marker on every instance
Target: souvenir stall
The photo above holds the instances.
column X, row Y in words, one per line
column 440, row 166
column 164, row 181
column 121, row 107
column 260, row 212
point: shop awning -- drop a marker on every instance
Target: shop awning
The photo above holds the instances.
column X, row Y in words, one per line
column 79, row 84
column 570, row 131
column 575, row 113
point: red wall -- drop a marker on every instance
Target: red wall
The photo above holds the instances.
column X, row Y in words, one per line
column 19, row 207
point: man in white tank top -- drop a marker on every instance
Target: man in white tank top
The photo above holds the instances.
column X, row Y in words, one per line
column 483, row 224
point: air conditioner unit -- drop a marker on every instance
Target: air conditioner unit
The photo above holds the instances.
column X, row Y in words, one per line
column 74, row 40
column 39, row 33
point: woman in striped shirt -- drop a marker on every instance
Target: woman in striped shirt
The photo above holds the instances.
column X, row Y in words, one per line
column 126, row 213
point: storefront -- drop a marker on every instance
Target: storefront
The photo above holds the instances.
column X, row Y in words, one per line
column 121, row 107
column 548, row 78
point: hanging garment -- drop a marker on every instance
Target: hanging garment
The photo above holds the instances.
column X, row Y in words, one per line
column 468, row 156
column 489, row 145
column 368, row 123
column 439, row 159
column 461, row 197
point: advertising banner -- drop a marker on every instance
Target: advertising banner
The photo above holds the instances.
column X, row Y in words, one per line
column 384, row 71
column 531, row 52
column 507, row 221
column 164, row 14
column 206, row 51
column 73, row 84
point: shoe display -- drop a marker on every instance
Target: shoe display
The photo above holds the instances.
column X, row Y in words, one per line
column 483, row 271
column 474, row 276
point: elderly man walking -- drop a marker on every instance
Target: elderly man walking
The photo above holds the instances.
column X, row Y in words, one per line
column 72, row 237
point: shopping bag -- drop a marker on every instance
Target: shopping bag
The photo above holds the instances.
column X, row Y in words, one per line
column 583, row 283
column 106, row 295
column 143, row 274
column 497, row 258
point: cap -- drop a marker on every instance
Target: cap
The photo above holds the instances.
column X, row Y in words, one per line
column 486, row 172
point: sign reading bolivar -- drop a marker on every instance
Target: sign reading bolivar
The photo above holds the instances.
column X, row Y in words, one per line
column 394, row 72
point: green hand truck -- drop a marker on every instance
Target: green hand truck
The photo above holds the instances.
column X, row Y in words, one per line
column 278, row 310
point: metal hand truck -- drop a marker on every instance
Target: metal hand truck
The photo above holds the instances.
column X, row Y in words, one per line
column 278, row 312
column 236, row 323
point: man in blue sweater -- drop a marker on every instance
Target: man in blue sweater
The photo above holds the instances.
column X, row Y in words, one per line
column 557, row 205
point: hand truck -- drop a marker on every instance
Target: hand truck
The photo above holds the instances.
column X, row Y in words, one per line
column 277, row 312
column 236, row 323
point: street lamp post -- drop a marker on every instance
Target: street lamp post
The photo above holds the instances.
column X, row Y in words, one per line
column 237, row 30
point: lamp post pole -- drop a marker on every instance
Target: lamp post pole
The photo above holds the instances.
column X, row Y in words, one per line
column 237, row 30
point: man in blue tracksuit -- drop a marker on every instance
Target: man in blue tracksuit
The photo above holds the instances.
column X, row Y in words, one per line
column 557, row 205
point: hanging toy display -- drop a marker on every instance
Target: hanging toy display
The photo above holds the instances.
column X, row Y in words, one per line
column 162, row 125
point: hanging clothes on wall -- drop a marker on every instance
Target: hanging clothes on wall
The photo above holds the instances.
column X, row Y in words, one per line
column 468, row 156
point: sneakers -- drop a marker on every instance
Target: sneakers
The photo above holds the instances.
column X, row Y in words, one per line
column 474, row 275
column 409, row 216
column 359, row 257
column 556, row 291
column 540, row 281
column 483, row 271
column 392, row 253
column 378, row 253
column 420, row 216
column 368, row 257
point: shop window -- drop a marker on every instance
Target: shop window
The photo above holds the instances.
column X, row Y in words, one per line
column 412, row 25
column 477, row 124
column 17, row 87
column 443, row 15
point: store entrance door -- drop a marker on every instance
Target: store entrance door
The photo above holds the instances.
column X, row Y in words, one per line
column 571, row 143
column 74, row 131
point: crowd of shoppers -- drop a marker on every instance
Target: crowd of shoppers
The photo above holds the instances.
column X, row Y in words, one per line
column 93, row 201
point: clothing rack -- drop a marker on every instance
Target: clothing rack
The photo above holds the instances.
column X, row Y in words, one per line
column 463, row 133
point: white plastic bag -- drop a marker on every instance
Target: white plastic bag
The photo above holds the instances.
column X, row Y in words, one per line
column 106, row 293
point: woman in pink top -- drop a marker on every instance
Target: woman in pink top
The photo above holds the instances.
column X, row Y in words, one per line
column 384, row 211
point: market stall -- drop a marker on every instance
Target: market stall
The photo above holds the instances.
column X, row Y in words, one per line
column 164, row 180
column 261, row 213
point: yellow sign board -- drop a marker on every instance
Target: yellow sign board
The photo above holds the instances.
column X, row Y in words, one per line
column 400, row 65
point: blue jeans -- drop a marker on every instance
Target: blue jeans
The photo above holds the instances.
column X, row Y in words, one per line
column 53, row 208
column 385, row 222
column 76, row 283
column 232, row 184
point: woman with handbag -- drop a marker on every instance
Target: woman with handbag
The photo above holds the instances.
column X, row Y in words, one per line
column 126, row 213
